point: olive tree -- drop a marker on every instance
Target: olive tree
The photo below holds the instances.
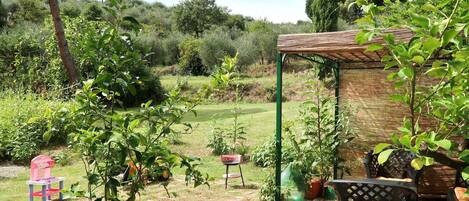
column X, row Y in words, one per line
column 215, row 46
column 196, row 16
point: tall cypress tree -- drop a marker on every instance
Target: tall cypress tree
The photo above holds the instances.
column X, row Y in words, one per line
column 324, row 14
column 3, row 15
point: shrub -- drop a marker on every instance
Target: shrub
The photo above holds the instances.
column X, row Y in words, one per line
column 71, row 9
column 190, row 62
column 248, row 51
column 215, row 46
column 93, row 12
column 267, row 191
column 171, row 47
column 151, row 44
column 267, row 42
column 23, row 60
column 217, row 142
column 264, row 155
column 63, row 158
column 25, row 120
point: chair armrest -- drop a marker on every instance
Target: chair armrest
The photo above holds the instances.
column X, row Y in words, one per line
column 373, row 189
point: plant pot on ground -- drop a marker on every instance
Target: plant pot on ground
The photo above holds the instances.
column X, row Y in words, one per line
column 314, row 189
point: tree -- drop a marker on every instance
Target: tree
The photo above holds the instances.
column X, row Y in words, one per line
column 30, row 10
column 324, row 14
column 62, row 43
column 236, row 22
column 93, row 12
column 215, row 46
column 196, row 16
column 438, row 50
column 3, row 15
column 190, row 62
column 71, row 9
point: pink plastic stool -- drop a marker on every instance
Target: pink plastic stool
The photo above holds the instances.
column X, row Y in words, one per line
column 40, row 175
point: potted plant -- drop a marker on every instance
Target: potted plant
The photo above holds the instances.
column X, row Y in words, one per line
column 235, row 134
column 229, row 139
column 316, row 146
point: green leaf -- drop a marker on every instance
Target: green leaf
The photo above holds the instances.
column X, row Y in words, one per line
column 384, row 155
column 418, row 59
column 428, row 161
column 448, row 36
column 421, row 20
column 406, row 72
column 133, row 124
column 394, row 138
column 417, row 163
column 406, row 140
column 361, row 38
column 374, row 47
column 389, row 38
column 465, row 173
column 443, row 3
column 437, row 69
column 87, row 84
column 132, row 89
column 380, row 147
column 445, row 144
column 431, row 44
column 398, row 98
column 464, row 155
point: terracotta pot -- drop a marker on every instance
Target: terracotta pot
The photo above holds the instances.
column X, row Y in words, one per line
column 314, row 189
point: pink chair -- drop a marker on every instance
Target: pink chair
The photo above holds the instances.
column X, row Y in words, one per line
column 40, row 175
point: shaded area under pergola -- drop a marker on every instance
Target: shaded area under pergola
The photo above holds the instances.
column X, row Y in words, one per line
column 338, row 50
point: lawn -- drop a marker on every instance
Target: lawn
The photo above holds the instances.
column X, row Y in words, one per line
column 259, row 120
column 168, row 81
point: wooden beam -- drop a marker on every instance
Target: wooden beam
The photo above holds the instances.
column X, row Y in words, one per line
column 368, row 56
column 331, row 41
column 350, row 56
column 346, row 58
column 379, row 56
column 361, row 56
column 327, row 56
column 338, row 56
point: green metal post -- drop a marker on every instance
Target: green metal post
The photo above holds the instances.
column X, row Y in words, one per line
column 336, row 112
column 278, row 137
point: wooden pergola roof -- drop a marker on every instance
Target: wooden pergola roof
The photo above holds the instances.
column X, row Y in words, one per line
column 338, row 46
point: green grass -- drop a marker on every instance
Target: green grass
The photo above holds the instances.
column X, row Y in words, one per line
column 259, row 120
column 169, row 81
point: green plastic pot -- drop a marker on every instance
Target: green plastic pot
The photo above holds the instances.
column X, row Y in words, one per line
column 329, row 194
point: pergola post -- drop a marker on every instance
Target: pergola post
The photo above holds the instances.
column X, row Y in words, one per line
column 278, row 133
column 336, row 113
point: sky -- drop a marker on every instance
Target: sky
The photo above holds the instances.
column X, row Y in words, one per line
column 277, row 11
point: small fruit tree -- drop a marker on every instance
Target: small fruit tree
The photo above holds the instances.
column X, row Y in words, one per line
column 110, row 140
column 439, row 49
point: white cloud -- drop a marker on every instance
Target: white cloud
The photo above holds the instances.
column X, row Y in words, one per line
column 273, row 10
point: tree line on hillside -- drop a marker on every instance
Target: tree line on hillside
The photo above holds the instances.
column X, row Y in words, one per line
column 194, row 36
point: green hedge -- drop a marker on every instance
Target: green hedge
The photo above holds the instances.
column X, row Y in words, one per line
column 25, row 119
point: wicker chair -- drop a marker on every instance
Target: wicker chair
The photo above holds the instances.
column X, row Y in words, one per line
column 431, row 182
column 373, row 190
column 397, row 166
